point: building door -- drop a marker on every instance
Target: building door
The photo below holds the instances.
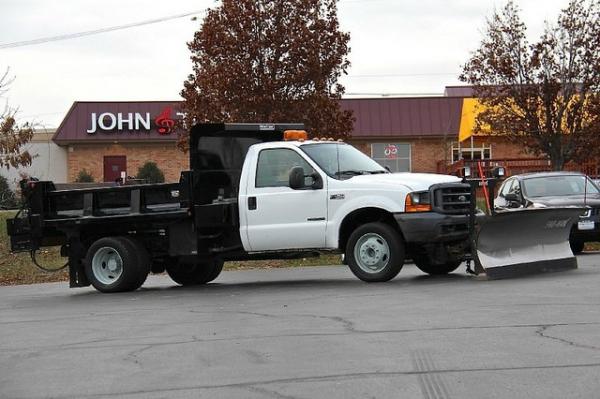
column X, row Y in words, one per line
column 113, row 166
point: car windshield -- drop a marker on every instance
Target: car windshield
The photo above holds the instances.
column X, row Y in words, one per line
column 341, row 161
column 558, row 186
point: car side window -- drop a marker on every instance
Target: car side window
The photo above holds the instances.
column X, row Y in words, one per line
column 506, row 187
column 515, row 188
column 274, row 166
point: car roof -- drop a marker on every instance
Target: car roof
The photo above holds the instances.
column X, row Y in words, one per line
column 526, row 176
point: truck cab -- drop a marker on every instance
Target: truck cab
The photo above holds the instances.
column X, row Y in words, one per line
column 296, row 194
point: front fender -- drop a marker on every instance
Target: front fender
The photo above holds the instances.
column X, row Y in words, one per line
column 339, row 210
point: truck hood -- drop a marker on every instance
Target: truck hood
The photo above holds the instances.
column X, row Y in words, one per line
column 413, row 181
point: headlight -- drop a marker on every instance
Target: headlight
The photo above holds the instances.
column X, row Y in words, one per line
column 417, row 202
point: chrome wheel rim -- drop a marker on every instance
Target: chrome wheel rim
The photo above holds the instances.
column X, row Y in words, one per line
column 107, row 265
column 372, row 253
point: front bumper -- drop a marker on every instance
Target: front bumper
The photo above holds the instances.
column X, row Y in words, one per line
column 428, row 227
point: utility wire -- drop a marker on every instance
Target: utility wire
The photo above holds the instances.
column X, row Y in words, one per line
column 95, row 31
column 396, row 94
column 399, row 75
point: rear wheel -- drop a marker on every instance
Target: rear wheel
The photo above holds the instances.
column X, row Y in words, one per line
column 576, row 245
column 435, row 269
column 196, row 273
column 375, row 252
column 116, row 264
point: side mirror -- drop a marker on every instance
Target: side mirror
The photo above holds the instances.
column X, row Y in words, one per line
column 317, row 181
column 297, row 178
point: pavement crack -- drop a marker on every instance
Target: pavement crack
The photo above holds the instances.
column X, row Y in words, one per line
column 330, row 377
column 542, row 332
column 350, row 329
column 243, row 312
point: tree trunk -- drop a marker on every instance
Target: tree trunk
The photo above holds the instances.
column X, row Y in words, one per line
column 557, row 161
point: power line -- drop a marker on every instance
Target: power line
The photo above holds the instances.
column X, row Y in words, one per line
column 399, row 75
column 95, row 31
column 396, row 94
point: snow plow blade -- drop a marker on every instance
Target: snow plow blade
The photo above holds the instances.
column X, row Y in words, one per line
column 525, row 241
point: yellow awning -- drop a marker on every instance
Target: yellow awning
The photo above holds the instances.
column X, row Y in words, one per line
column 467, row 118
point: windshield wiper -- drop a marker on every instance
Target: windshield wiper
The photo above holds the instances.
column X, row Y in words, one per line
column 350, row 172
column 359, row 172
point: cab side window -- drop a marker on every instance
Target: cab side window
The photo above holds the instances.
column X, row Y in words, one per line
column 274, row 166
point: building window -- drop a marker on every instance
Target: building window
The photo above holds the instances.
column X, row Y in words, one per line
column 395, row 156
column 471, row 153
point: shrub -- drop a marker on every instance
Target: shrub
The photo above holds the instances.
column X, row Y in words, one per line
column 8, row 199
column 151, row 173
column 84, row 177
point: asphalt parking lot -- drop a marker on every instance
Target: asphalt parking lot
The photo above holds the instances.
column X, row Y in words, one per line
column 308, row 333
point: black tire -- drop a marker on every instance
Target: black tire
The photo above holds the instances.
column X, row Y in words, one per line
column 195, row 274
column 425, row 265
column 576, row 246
column 217, row 268
column 371, row 239
column 145, row 261
column 122, row 254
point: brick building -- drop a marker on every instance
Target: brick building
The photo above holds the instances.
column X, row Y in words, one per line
column 107, row 138
column 406, row 134
column 421, row 134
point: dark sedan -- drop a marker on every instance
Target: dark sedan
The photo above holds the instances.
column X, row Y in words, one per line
column 556, row 189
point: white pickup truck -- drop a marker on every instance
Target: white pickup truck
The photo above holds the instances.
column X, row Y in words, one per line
column 251, row 195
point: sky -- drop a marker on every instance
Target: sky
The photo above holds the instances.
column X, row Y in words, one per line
column 398, row 48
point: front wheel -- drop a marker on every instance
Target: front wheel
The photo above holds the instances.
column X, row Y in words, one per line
column 426, row 266
column 375, row 252
column 195, row 274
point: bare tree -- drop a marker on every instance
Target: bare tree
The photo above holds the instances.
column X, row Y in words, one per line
column 269, row 61
column 13, row 136
column 543, row 96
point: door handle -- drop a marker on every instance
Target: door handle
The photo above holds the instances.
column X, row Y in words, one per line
column 251, row 203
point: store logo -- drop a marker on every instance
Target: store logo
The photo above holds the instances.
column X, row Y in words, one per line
column 164, row 122
column 109, row 121
column 391, row 151
column 133, row 121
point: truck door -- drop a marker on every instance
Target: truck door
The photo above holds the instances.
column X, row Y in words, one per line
column 277, row 216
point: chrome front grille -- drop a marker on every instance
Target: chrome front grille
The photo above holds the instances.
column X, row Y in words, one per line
column 451, row 198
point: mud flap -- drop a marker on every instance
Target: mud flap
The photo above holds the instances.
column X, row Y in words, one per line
column 525, row 241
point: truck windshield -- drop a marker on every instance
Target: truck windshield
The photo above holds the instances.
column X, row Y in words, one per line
column 341, row 161
column 557, row 186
